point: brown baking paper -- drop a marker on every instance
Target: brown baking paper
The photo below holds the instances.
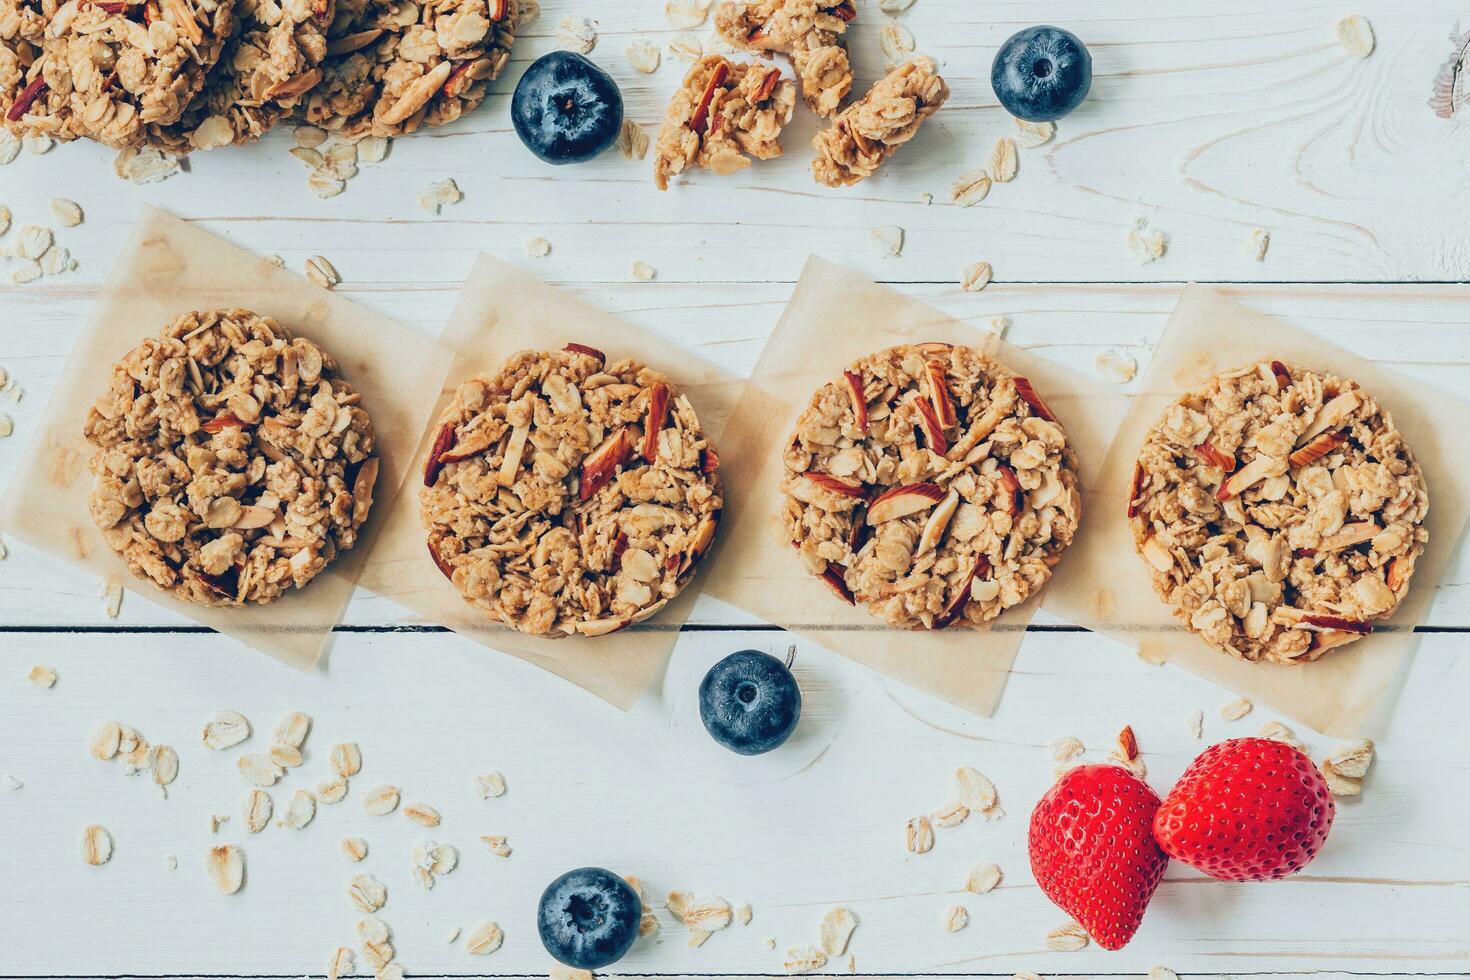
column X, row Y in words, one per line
column 835, row 317
column 170, row 267
column 1105, row 585
column 503, row 310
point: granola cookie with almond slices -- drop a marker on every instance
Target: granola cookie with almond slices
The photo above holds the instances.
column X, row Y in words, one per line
column 808, row 31
column 564, row 495
column 725, row 113
column 869, row 131
column 931, row 484
column 107, row 69
column 232, row 461
column 1279, row 511
column 396, row 65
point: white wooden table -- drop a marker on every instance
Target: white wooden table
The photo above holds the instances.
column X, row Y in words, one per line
column 1208, row 119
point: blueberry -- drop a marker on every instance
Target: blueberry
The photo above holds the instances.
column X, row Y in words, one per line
column 566, row 109
column 749, row 702
column 1041, row 73
column 588, row 918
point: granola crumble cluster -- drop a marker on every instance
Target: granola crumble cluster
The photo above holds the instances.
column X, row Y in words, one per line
column 931, row 484
column 1280, row 512
column 724, row 111
column 871, row 130
column 809, row 32
column 233, row 462
column 565, row 495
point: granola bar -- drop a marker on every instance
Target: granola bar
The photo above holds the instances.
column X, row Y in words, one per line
column 870, row 130
column 1279, row 511
column 931, row 484
column 723, row 114
column 564, row 495
column 395, row 65
column 232, row 462
column 808, row 31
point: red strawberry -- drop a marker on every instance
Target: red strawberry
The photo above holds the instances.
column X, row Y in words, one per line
column 1250, row 809
column 1093, row 851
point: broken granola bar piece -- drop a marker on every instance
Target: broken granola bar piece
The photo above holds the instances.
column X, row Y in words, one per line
column 869, row 131
column 725, row 113
column 808, row 31
column 232, row 461
column 566, row 496
column 393, row 66
column 922, row 483
column 1280, row 512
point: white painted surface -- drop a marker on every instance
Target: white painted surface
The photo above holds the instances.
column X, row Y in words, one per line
column 1210, row 120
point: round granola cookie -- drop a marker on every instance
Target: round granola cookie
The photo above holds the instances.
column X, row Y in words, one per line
column 108, row 69
column 233, row 462
column 1280, row 512
column 564, row 495
column 394, row 65
column 931, row 484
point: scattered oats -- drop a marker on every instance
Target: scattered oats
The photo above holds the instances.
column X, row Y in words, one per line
column 1025, row 975
column 276, row 261
column 529, row 11
column 895, row 41
column 226, row 867
column 171, row 862
column 1162, row 973
column 886, row 241
column 804, row 959
column 1067, row 939
column 1004, row 161
column 301, row 810
column 686, row 47
column 370, row 928
column 393, row 971
column 894, row 6
column 4, row 215
column 324, row 185
column 698, row 937
column 215, row 820
column 952, row 814
column 982, row 878
column 643, row 56
column 577, row 34
column 373, row 149
column 309, row 137
column 259, row 769
column 1278, row 732
column 1119, row 367
column 484, row 939
column 538, row 248
column 354, row 848
column 1147, row 243
column 1352, row 760
column 68, row 213
column 926, row 199
column 1355, row 35
column 709, row 914
column 10, row 782
column 973, row 789
column 9, row 147
column 42, row 676
column 490, row 784
column 342, row 963
column 647, row 921
column 342, row 160
column 367, row 893
column 569, row 973
column 378, row 955
column 999, row 325
column 632, row 140
column 955, row 919
column 1258, row 244
column 322, row 272
column 346, row 759
column 422, row 814
column 383, row 799
column 165, row 765
column 837, row 928
column 685, row 15
column 976, row 277
column 1236, row 709
column 1196, row 723
column 56, row 260
column 643, row 272
column 287, row 755
column 769, row 942
column 1033, row 134
column 970, row 188
column 743, row 914
column 37, row 143
column 453, row 935
column 920, row 835
column 332, row 791
column 1067, row 747
column 144, row 166
column 256, row 808
column 26, row 270
column 434, row 197
column 226, row 729
column 499, row 844
column 96, row 845
column 311, row 157
column 105, row 741
column 7, row 427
